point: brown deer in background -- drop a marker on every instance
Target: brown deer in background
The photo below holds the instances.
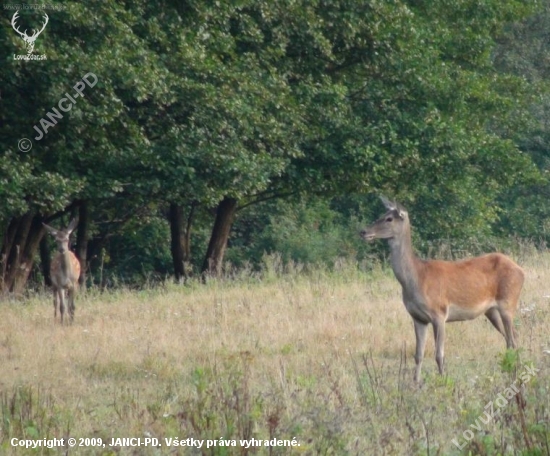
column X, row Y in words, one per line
column 64, row 271
column 445, row 291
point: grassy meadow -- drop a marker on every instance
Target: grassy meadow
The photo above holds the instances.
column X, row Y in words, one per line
column 325, row 357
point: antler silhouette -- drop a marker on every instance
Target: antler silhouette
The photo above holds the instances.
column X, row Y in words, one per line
column 29, row 40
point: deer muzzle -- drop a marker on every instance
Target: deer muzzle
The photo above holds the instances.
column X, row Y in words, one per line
column 368, row 235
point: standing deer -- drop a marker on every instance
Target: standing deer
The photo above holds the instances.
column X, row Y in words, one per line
column 64, row 271
column 445, row 291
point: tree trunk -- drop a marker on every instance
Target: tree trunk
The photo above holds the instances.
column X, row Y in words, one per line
column 29, row 250
column 15, row 253
column 82, row 241
column 220, row 234
column 180, row 240
column 176, row 236
column 7, row 243
column 187, row 235
column 46, row 261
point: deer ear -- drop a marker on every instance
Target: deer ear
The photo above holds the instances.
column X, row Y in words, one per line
column 401, row 210
column 386, row 202
column 72, row 225
column 50, row 229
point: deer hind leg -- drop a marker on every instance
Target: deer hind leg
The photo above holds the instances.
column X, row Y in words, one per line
column 421, row 331
column 439, row 337
column 508, row 300
column 508, row 323
column 493, row 316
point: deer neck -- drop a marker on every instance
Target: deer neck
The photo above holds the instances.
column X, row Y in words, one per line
column 65, row 263
column 403, row 261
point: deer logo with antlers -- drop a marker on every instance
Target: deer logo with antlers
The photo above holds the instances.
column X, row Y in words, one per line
column 29, row 40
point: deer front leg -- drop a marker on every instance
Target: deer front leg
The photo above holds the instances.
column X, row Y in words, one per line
column 421, row 331
column 61, row 303
column 55, row 301
column 71, row 293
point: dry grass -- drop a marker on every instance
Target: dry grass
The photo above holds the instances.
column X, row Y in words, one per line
column 323, row 357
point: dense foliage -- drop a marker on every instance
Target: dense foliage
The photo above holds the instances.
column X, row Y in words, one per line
column 269, row 127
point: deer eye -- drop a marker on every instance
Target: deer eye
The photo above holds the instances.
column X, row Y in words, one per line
column 389, row 219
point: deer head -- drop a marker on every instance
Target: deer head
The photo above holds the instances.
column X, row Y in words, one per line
column 391, row 225
column 29, row 40
column 62, row 236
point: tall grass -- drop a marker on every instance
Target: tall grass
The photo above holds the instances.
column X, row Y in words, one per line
column 323, row 355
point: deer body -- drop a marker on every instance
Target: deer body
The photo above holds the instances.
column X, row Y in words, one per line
column 437, row 291
column 64, row 272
